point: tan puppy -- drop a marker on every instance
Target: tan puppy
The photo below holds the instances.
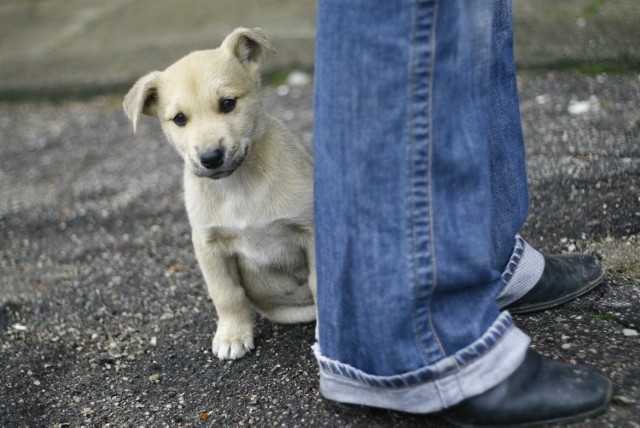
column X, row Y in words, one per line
column 248, row 186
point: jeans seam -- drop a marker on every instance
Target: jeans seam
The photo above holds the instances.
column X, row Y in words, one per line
column 412, row 195
column 514, row 261
column 419, row 68
column 430, row 170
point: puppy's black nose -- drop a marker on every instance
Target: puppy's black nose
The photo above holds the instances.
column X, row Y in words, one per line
column 212, row 159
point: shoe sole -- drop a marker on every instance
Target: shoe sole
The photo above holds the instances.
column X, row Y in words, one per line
column 526, row 309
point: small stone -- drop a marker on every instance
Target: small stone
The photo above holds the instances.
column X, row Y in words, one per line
column 629, row 332
column 566, row 346
column 581, row 107
column 19, row 327
column 621, row 399
column 155, row 378
column 542, row 99
column 298, row 78
column 283, row 90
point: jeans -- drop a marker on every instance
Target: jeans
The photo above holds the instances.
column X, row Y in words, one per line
column 420, row 189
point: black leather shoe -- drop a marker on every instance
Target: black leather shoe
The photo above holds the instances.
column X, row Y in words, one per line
column 564, row 278
column 540, row 391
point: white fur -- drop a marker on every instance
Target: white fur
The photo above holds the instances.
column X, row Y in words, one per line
column 252, row 218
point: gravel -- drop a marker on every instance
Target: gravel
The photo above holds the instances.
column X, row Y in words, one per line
column 105, row 320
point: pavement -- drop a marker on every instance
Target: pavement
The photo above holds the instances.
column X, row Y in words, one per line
column 104, row 317
column 63, row 48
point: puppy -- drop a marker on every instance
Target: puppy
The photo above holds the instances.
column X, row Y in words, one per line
column 248, row 186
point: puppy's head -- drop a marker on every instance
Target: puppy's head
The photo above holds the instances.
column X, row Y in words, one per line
column 207, row 102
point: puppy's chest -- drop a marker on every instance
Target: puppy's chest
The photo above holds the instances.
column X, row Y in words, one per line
column 278, row 243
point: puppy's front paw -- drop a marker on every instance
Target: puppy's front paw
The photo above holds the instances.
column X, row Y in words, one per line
column 232, row 343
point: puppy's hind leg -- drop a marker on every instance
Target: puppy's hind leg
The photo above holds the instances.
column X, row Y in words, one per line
column 290, row 314
column 279, row 295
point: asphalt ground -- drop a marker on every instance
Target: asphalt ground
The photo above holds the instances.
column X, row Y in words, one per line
column 104, row 316
column 105, row 319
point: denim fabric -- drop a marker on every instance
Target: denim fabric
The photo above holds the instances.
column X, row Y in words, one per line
column 347, row 384
column 510, row 202
column 409, row 258
column 521, row 274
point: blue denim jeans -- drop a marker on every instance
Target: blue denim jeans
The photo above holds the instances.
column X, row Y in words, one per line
column 420, row 189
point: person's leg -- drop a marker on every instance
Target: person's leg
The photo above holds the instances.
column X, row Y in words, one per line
column 407, row 278
column 532, row 281
column 521, row 264
column 509, row 193
column 407, row 283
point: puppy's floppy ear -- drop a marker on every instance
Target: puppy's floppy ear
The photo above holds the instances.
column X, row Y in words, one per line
column 249, row 45
column 142, row 98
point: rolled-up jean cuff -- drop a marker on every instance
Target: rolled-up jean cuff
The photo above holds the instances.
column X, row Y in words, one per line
column 521, row 274
column 437, row 386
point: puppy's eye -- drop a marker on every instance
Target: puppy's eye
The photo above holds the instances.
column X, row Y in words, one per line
column 180, row 119
column 227, row 105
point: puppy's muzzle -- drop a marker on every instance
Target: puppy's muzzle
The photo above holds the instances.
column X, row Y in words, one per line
column 216, row 163
column 212, row 159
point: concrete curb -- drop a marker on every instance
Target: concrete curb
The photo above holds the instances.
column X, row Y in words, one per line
column 78, row 48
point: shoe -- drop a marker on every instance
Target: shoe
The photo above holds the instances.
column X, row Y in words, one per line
column 540, row 391
column 564, row 278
